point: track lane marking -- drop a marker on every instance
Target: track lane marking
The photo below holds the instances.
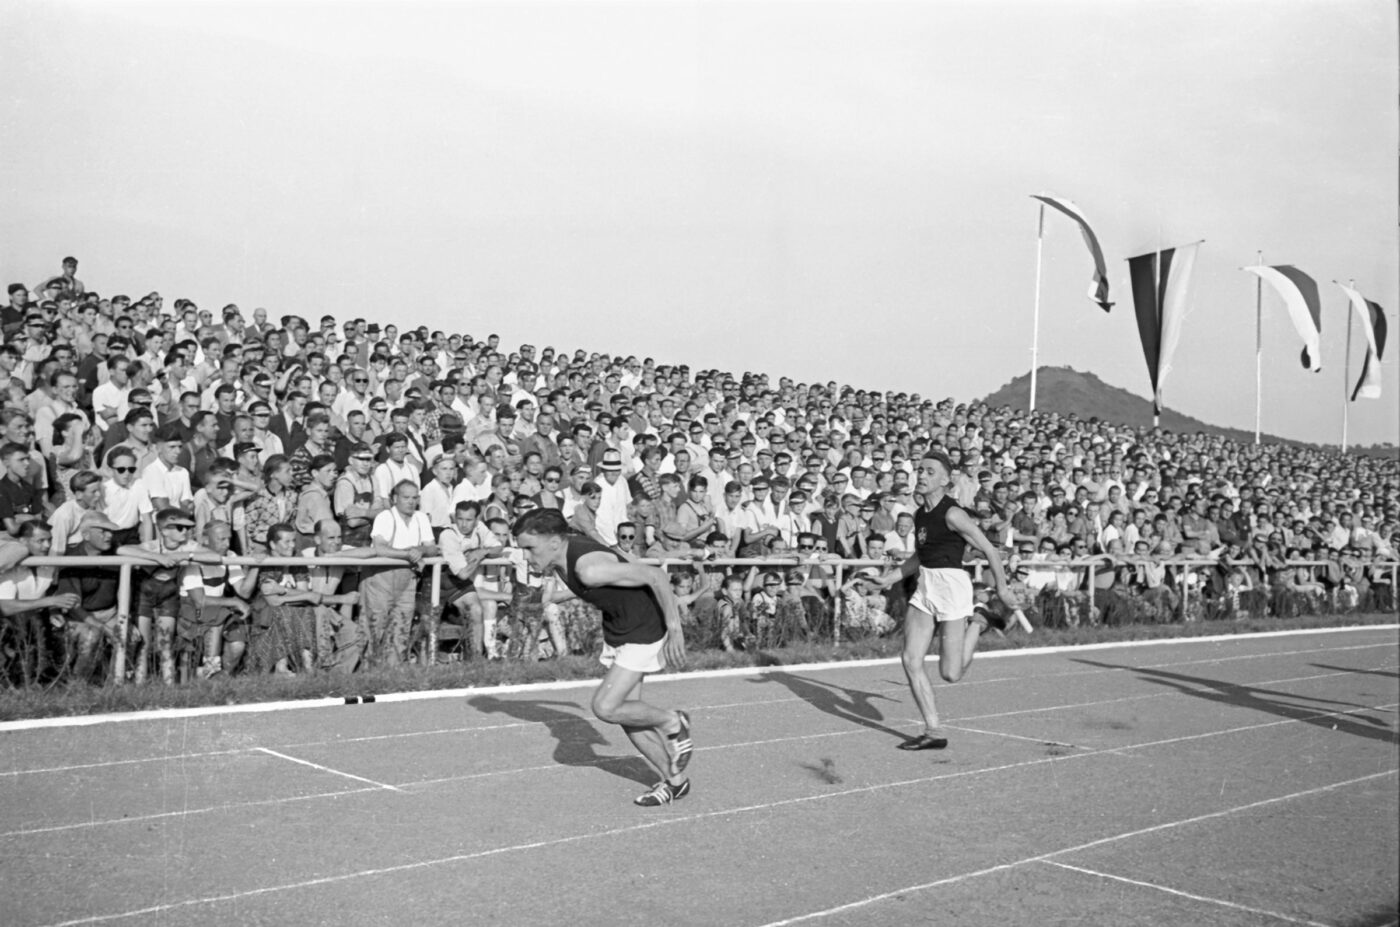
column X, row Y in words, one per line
column 327, row 769
column 747, row 704
column 950, row 880
column 763, row 806
column 1175, row 891
column 156, row 816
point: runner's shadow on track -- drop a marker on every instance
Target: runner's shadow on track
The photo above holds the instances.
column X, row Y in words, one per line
column 1357, row 670
column 852, row 705
column 1269, row 701
column 576, row 738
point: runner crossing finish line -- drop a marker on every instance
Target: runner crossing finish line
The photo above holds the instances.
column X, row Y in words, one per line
column 943, row 602
column 641, row 635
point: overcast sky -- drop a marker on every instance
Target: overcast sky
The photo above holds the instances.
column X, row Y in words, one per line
column 819, row 190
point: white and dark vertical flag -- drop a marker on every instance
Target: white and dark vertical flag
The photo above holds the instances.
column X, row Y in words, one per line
column 1160, row 283
column 1299, row 292
column 1373, row 326
column 1098, row 289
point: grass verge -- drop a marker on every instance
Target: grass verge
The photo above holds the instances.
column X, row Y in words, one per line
column 35, row 702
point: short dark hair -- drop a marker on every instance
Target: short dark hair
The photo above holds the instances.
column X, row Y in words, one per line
column 542, row 522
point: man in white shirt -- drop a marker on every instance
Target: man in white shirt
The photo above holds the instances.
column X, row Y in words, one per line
column 436, row 500
column 616, row 496
column 389, row 593
column 396, row 469
column 109, row 400
column 168, row 483
column 465, row 544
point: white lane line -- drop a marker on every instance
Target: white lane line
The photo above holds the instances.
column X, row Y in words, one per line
column 581, row 719
column 327, row 769
column 211, row 809
column 634, row 828
column 109, row 763
column 872, row 899
column 1034, row 740
column 1178, row 892
column 471, row 729
column 208, row 710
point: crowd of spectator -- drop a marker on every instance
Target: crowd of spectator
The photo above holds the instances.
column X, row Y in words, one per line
column 208, row 444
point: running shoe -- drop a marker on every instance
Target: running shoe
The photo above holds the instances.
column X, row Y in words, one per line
column 929, row 740
column 663, row 793
column 680, row 746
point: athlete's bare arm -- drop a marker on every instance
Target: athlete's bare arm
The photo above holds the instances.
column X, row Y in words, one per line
column 603, row 569
column 910, row 567
column 963, row 524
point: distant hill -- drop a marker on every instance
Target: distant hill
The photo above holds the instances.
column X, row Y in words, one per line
column 1065, row 390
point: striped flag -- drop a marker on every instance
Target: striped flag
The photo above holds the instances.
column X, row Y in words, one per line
column 1098, row 289
column 1299, row 292
column 1160, row 281
column 1374, row 328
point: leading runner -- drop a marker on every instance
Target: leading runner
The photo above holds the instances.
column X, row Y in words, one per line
column 944, row 597
column 641, row 635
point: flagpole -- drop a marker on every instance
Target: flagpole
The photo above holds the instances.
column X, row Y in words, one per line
column 1346, row 375
column 1035, row 318
column 1157, row 297
column 1258, row 349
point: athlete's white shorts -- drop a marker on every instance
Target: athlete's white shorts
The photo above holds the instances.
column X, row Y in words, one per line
column 945, row 594
column 639, row 658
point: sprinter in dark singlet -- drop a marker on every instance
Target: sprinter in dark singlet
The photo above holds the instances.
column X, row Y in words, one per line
column 641, row 634
column 942, row 531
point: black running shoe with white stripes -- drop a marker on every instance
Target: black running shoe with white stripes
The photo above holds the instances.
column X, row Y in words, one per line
column 663, row 793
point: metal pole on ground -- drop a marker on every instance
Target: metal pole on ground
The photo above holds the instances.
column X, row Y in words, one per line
column 1258, row 350
column 836, row 606
column 123, row 624
column 434, row 613
column 1035, row 317
column 1346, row 379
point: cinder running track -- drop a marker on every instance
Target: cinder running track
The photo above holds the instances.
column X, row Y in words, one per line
column 1246, row 781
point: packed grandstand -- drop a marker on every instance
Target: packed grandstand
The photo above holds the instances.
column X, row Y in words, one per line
column 298, row 496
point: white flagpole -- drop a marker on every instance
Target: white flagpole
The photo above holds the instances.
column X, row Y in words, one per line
column 1258, row 349
column 1157, row 299
column 1035, row 318
column 1346, row 374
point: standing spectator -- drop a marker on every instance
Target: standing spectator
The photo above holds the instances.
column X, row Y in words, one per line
column 389, row 593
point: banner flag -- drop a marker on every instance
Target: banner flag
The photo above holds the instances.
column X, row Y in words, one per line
column 1299, row 292
column 1098, row 289
column 1373, row 326
column 1160, row 282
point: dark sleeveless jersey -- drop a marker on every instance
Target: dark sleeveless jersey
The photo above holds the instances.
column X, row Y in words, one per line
column 939, row 546
column 631, row 614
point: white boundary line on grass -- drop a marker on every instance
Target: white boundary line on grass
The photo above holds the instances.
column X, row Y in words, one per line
column 1178, row 892
column 203, row 711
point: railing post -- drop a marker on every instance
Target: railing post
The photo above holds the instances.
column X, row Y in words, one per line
column 434, row 613
column 1185, row 576
column 836, row 605
column 1092, row 610
column 123, row 624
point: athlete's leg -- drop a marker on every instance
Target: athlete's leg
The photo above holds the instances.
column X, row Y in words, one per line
column 617, row 700
column 918, row 635
column 957, row 646
column 650, row 742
